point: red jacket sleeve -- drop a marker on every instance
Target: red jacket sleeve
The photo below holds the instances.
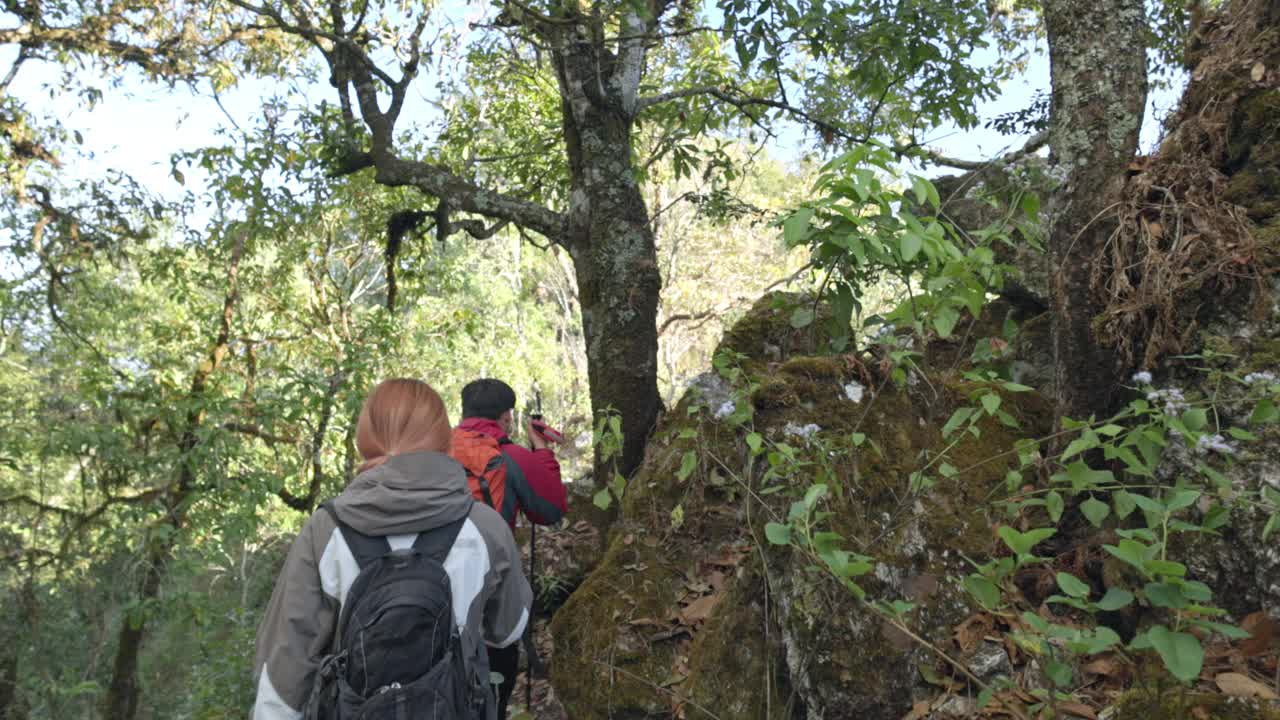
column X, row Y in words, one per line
column 542, row 476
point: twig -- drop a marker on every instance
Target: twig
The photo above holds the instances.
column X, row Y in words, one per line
column 614, row 668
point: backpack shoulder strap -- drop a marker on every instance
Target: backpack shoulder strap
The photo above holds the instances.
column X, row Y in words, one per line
column 364, row 548
column 437, row 542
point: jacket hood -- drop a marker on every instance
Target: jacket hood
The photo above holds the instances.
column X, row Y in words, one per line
column 408, row 493
column 483, row 425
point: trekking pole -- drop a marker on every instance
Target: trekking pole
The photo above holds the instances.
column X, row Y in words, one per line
column 533, row 583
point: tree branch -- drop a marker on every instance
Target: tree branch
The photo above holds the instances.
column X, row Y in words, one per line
column 1034, row 143
column 257, row 432
column 743, row 102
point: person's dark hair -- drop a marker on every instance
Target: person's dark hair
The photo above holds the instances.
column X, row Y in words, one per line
column 487, row 398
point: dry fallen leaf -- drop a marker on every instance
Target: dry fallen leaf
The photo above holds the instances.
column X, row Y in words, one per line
column 1200, row 712
column 970, row 632
column 1078, row 709
column 918, row 711
column 1258, row 72
column 699, row 609
column 1244, row 686
column 716, row 580
column 1107, row 666
column 1262, row 632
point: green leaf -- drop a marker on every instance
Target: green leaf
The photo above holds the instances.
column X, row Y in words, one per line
column 1195, row 419
column 924, row 191
column 754, row 441
column 802, row 317
column 1164, row 595
column 983, row 590
column 1059, row 672
column 1079, row 445
column 1166, row 567
column 1182, row 499
column 687, row 465
column 991, row 402
column 815, row 493
column 1072, row 585
column 778, row 533
column 1273, row 523
column 1114, row 599
column 1132, row 552
column 1054, row 503
column 1264, row 412
column 1241, row 434
column 1083, row 477
column 1151, row 505
column 1124, row 503
column 602, row 499
column 1231, row 632
column 1095, row 510
column 911, row 244
column 945, row 319
column 1021, row 543
column 1030, row 205
column 959, row 416
column 984, row 697
column 795, row 229
column 1181, row 652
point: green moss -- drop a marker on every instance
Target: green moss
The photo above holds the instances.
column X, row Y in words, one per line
column 1254, row 154
column 734, row 670
column 765, row 333
column 814, row 368
column 605, row 665
column 1180, row 705
column 773, row 394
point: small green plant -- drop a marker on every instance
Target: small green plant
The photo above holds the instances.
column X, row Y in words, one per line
column 871, row 223
column 607, row 439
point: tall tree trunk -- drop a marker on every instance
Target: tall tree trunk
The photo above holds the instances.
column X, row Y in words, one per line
column 614, row 255
column 1097, row 60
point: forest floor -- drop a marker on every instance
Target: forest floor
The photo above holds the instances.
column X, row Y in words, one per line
column 562, row 554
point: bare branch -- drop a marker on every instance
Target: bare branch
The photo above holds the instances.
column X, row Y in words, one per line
column 1034, row 143
column 743, row 102
column 257, row 432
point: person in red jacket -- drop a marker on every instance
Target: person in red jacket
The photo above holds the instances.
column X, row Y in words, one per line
column 537, row 491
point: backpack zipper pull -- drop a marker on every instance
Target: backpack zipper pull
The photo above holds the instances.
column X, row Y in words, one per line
column 387, row 688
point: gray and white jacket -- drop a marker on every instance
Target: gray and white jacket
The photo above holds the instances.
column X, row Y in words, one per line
column 404, row 496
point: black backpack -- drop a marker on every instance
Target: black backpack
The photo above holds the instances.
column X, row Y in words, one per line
column 397, row 652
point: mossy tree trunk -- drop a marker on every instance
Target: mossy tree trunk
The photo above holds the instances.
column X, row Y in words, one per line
column 609, row 236
column 1097, row 56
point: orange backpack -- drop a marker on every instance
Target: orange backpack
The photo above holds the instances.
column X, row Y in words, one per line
column 487, row 467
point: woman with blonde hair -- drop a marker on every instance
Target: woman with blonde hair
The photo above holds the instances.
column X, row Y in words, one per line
column 407, row 508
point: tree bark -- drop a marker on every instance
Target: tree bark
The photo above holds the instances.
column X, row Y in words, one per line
column 1097, row 60
column 609, row 236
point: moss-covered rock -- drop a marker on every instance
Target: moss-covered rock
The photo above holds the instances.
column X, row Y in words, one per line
column 766, row 332
column 691, row 611
column 1153, row 704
